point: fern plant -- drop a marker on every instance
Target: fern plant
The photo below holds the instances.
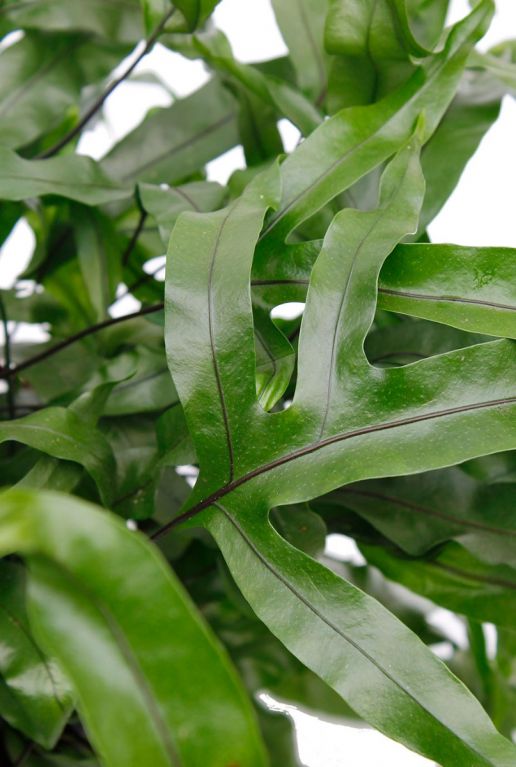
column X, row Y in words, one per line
column 144, row 623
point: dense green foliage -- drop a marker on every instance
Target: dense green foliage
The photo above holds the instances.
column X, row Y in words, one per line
column 386, row 413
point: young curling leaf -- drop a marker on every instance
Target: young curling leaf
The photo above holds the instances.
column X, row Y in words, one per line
column 348, row 421
column 146, row 669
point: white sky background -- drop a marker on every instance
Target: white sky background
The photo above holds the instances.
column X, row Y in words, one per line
column 481, row 211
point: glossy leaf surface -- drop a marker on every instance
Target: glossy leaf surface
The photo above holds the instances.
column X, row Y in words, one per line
column 34, row 696
column 96, row 614
column 331, row 466
column 241, row 476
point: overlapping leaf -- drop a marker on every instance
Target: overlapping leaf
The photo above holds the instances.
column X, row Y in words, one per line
column 356, row 140
column 116, row 19
column 468, row 288
column 148, row 670
column 361, row 411
column 34, row 696
column 176, row 141
column 343, row 419
column 74, row 177
column 61, row 433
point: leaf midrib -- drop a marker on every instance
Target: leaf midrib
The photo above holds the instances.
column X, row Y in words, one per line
column 315, row 446
column 375, row 223
column 334, row 627
column 179, row 147
column 213, row 350
column 265, row 283
column 127, row 652
column 446, row 298
column 425, row 510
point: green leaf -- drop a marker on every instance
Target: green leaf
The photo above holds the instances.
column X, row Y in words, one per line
column 194, row 12
column 301, row 527
column 464, row 287
column 99, row 255
column 116, row 19
column 149, row 389
column 165, row 205
column 279, row 734
column 35, row 698
column 456, row 579
column 275, row 360
column 39, row 80
column 280, row 97
column 154, row 11
column 409, row 340
column 372, row 42
column 340, row 427
column 471, row 114
column 356, row 140
column 382, row 411
column 60, row 433
column 469, row 288
column 499, row 62
column 77, row 178
column 301, row 23
column 148, row 669
column 427, row 19
column 420, row 512
column 174, row 142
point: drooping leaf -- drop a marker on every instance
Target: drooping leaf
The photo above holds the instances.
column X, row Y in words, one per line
column 60, row 433
column 420, row 512
column 100, row 255
column 176, row 141
column 75, row 177
column 148, row 669
column 454, row 578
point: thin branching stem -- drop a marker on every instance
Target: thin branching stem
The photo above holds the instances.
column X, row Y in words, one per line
column 98, row 104
column 134, row 238
column 7, row 372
